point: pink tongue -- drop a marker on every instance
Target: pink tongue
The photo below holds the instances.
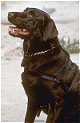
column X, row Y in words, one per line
column 9, row 29
column 18, row 31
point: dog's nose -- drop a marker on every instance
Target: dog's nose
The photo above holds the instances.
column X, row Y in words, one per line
column 10, row 14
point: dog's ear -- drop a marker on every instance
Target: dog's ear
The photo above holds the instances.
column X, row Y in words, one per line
column 50, row 31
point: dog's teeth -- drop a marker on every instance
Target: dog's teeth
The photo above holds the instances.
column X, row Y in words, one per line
column 13, row 30
column 24, row 30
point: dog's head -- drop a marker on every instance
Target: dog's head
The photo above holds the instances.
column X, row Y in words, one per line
column 31, row 23
column 36, row 27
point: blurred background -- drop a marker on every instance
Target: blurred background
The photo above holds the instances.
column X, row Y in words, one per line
column 66, row 17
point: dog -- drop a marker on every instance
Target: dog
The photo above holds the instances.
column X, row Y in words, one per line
column 50, row 79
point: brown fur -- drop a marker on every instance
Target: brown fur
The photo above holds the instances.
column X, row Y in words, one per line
column 61, row 106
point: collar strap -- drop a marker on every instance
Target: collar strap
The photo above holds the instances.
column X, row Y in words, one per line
column 57, row 81
column 37, row 53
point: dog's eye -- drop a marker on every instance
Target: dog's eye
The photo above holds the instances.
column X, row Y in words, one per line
column 30, row 15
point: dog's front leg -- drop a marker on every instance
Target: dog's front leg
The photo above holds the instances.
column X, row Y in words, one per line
column 32, row 109
column 53, row 115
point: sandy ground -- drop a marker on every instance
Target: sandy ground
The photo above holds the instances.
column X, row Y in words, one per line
column 14, row 100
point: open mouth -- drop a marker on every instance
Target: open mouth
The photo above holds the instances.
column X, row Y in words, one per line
column 39, row 53
column 15, row 31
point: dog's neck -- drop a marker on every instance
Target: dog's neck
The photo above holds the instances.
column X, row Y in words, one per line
column 35, row 62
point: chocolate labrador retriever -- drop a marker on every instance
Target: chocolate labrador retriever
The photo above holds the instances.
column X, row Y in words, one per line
column 50, row 79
